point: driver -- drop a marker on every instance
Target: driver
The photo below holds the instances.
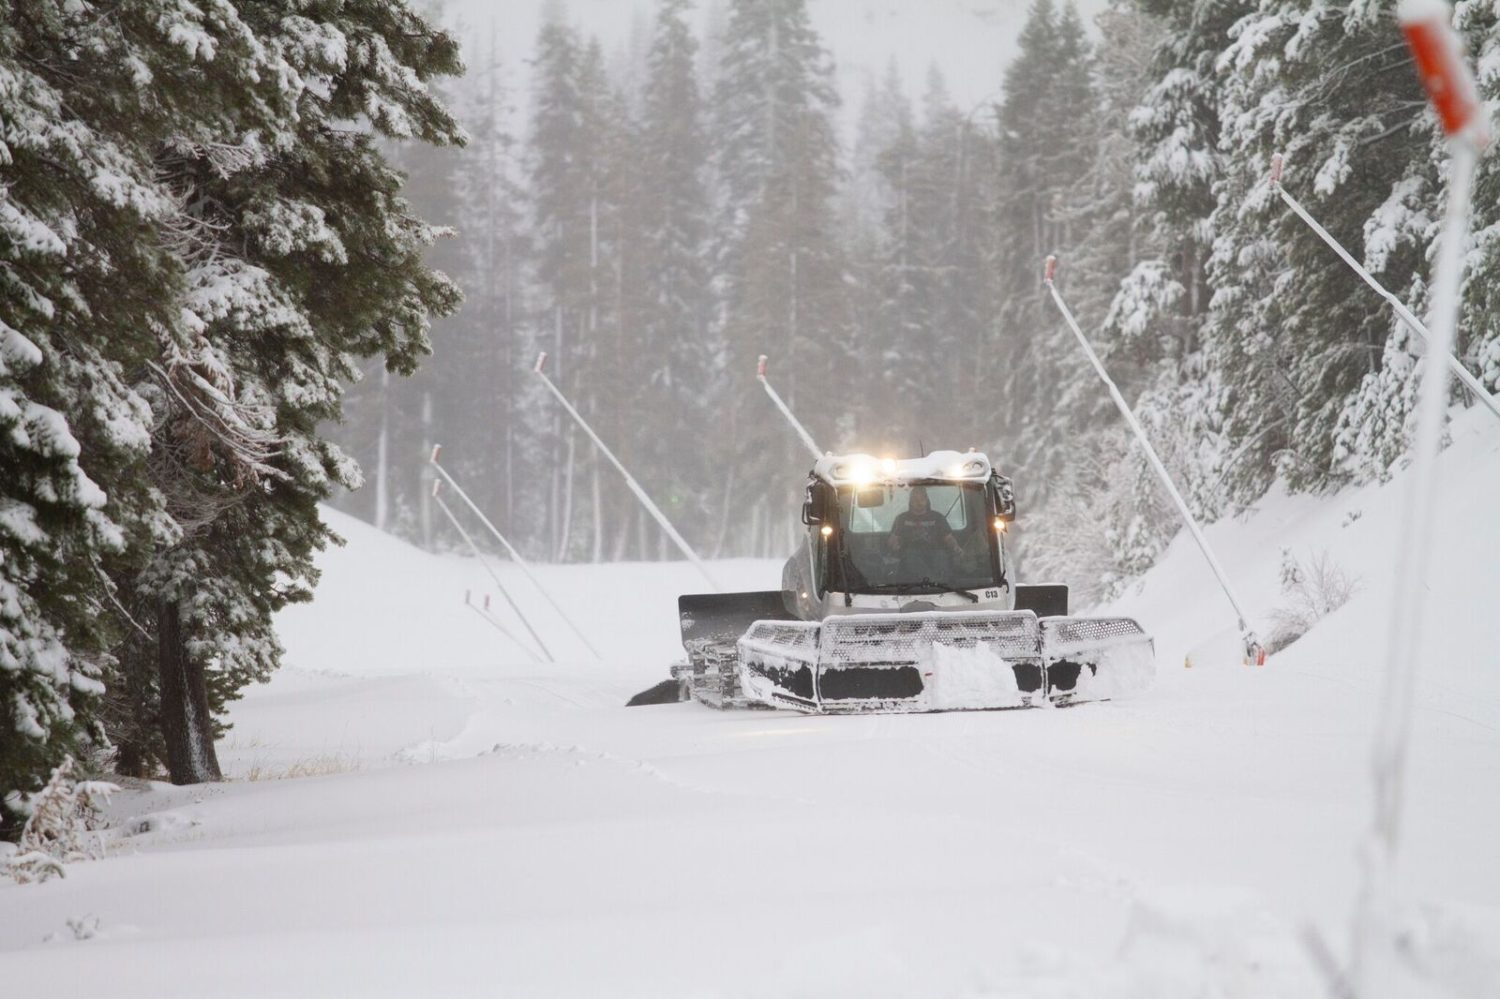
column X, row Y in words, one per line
column 921, row 529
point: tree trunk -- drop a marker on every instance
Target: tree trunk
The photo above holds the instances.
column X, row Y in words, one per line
column 382, row 455
column 186, row 721
column 424, row 477
column 597, row 497
column 134, row 739
column 565, row 537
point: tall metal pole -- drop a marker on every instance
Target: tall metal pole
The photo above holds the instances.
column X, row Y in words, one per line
column 1412, row 322
column 515, row 556
column 494, row 576
column 807, row 440
column 1440, row 59
column 635, row 487
column 1254, row 651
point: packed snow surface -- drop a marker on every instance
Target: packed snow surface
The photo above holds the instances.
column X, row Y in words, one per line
column 472, row 824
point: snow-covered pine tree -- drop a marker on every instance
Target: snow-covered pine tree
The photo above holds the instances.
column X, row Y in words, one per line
column 558, row 188
column 780, row 265
column 392, row 421
column 885, row 117
column 898, row 284
column 615, row 384
column 484, row 415
column 1045, row 154
column 1106, row 519
column 1298, row 331
column 304, row 257
column 1480, row 24
column 885, row 122
column 229, row 248
column 678, row 354
column 77, row 194
column 1398, row 241
column 1157, row 318
column 936, row 281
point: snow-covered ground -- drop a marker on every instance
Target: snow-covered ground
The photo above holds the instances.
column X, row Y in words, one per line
column 481, row 825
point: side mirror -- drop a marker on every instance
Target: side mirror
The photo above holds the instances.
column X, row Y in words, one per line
column 812, row 507
column 1004, row 498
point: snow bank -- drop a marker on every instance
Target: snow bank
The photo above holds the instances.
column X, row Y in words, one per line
column 969, row 678
column 510, row 829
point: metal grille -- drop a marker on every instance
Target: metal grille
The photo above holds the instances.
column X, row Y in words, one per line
column 1067, row 636
column 905, row 639
column 795, row 641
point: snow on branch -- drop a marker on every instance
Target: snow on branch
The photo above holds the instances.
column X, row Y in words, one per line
column 64, row 826
column 213, row 422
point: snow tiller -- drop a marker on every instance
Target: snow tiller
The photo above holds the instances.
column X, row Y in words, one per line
column 899, row 599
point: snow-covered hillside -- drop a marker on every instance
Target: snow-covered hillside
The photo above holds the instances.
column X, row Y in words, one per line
column 487, row 826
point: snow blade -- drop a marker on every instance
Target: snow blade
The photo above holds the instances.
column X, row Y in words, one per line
column 724, row 617
column 942, row 661
column 711, row 624
column 666, row 692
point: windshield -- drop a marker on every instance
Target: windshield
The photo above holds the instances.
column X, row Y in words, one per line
column 913, row 538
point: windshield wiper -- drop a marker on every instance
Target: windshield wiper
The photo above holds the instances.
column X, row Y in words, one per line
column 950, row 588
column 923, row 582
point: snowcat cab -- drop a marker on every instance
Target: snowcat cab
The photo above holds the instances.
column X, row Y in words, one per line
column 899, row 605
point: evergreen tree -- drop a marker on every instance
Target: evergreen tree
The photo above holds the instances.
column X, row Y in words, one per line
column 1299, row 332
column 562, row 244
column 782, row 271
column 936, row 286
column 677, row 354
column 231, row 248
column 77, row 195
column 315, row 261
column 1045, row 153
column 485, row 412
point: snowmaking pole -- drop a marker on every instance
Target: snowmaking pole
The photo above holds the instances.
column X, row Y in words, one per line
column 1438, row 51
column 1475, row 387
column 635, row 487
column 1255, row 653
column 490, row 620
column 515, row 556
column 436, row 486
column 807, row 440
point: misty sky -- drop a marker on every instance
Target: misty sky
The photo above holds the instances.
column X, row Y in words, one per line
column 971, row 40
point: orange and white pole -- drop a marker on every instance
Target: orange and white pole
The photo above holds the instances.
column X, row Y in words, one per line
column 1438, row 51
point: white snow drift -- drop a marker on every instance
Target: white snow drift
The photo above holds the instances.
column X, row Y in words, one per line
column 490, row 827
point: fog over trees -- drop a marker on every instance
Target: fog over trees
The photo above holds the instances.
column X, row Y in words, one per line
column 661, row 220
